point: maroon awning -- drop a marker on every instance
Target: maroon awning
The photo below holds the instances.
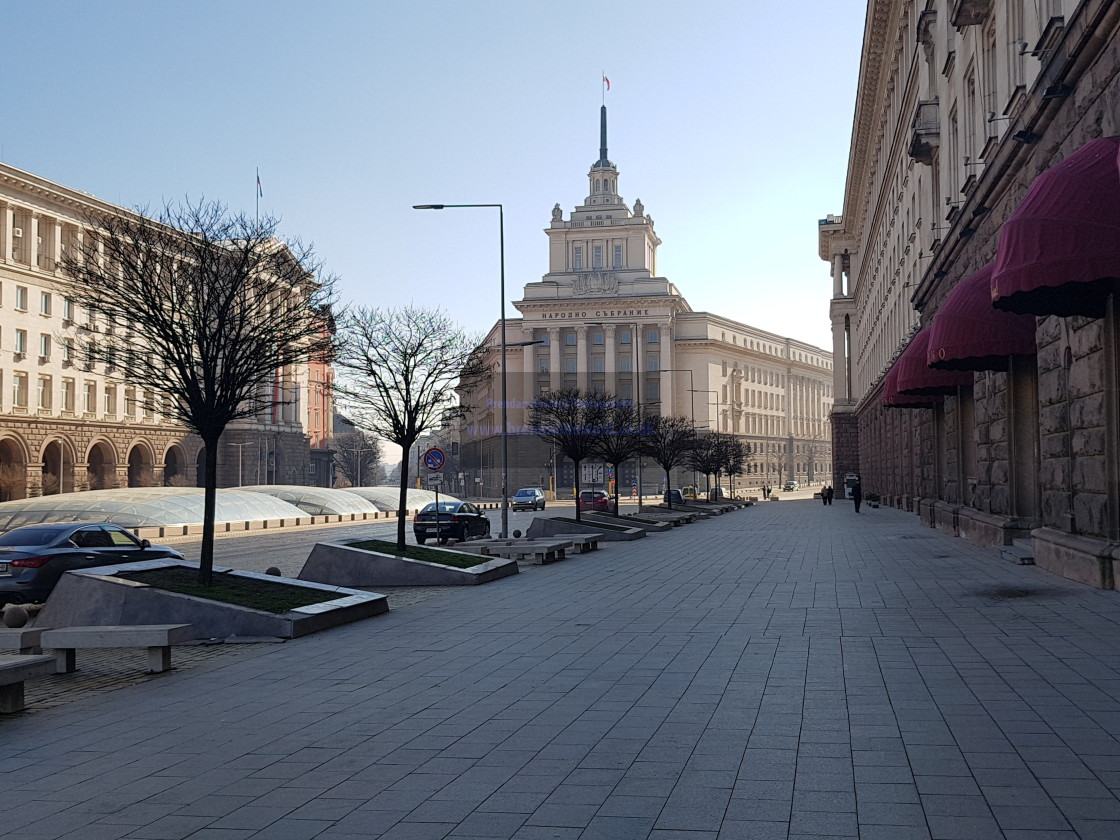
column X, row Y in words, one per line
column 1059, row 253
column 916, row 377
column 968, row 333
column 893, row 399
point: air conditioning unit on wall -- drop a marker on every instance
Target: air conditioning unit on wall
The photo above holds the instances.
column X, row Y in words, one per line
column 17, row 233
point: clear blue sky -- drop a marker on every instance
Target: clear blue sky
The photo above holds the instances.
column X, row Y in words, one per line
column 730, row 120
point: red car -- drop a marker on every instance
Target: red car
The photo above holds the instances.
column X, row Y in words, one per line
column 594, row 500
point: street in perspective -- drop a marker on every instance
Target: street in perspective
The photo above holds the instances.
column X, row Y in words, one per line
column 787, row 669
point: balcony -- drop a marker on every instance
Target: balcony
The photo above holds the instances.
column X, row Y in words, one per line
column 970, row 12
column 926, row 132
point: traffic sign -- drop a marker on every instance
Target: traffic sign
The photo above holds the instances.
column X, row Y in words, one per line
column 435, row 479
column 433, row 459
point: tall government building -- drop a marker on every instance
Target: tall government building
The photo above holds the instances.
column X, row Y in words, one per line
column 68, row 427
column 603, row 318
column 974, row 269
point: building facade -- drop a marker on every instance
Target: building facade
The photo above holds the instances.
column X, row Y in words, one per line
column 974, row 330
column 602, row 318
column 66, row 426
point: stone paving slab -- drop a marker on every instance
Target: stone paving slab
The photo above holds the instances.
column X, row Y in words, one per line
column 792, row 671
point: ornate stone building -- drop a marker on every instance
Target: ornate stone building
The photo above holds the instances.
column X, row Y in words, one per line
column 67, row 427
column 602, row 313
column 974, row 328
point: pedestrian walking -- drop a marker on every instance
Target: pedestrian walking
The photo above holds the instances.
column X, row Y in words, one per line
column 830, row 494
column 824, row 495
column 857, row 494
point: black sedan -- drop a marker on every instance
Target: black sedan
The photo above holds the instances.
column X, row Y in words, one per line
column 455, row 520
column 34, row 557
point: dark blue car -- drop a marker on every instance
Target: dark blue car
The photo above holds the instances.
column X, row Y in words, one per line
column 34, row 557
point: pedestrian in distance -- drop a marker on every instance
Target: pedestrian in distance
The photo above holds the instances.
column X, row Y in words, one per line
column 824, row 495
column 857, row 495
column 828, row 495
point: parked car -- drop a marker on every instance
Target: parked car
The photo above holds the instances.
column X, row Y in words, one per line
column 34, row 557
column 689, row 492
column 594, row 500
column 454, row 520
column 675, row 497
column 527, row 498
column 790, row 486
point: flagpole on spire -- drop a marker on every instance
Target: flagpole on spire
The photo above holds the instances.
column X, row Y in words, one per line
column 259, row 194
column 606, row 84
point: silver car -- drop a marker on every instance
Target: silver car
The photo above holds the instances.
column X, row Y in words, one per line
column 527, row 498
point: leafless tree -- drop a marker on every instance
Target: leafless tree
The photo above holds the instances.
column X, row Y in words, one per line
column 358, row 457
column 398, row 371
column 204, row 311
column 667, row 440
column 572, row 420
column 620, row 438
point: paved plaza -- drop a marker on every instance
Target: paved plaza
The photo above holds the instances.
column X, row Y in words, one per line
column 789, row 670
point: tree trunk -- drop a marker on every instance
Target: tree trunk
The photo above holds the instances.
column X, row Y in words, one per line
column 615, row 468
column 209, row 507
column 668, row 491
column 402, row 501
column 578, row 517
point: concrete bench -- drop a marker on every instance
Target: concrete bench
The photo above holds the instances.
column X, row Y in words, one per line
column 14, row 669
column 157, row 638
column 541, row 552
column 583, row 543
column 23, row 639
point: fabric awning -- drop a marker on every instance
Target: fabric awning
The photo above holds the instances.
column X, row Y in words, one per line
column 968, row 333
column 893, row 399
column 1059, row 253
column 916, row 377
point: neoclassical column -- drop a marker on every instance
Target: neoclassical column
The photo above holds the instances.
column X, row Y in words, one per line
column 56, row 244
column 554, row 358
column 528, row 390
column 610, row 363
column 33, row 242
column 5, row 231
column 665, row 362
column 581, row 357
column 838, row 275
column 839, row 359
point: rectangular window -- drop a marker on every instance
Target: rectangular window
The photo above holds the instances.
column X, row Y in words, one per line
column 544, row 339
column 110, row 401
column 570, row 364
column 597, row 338
column 652, row 337
column 597, row 257
column 44, row 345
column 44, row 303
column 596, row 364
column 89, row 396
column 618, row 256
column 624, row 337
column 625, row 364
column 625, row 390
column 577, row 258
column 149, row 405
column 543, row 365
column 570, row 339
column 68, row 309
column 21, row 341
column 19, row 390
column 21, row 298
column 653, row 362
column 44, row 392
column 67, row 349
column 653, row 391
column 129, row 402
column 67, row 394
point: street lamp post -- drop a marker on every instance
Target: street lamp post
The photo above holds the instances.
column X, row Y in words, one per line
column 358, row 458
column 505, row 423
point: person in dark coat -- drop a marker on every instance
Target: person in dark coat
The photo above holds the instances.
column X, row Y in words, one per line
column 828, row 495
column 824, row 495
column 857, row 494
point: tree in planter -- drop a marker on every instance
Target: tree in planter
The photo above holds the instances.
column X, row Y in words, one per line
column 732, row 456
column 703, row 457
column 667, row 440
column 205, row 312
column 620, row 439
column 398, row 372
column 357, row 456
column 573, row 421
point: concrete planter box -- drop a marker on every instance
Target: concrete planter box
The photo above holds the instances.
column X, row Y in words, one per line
column 546, row 526
column 97, row 597
column 615, row 533
column 650, row 526
column 340, row 564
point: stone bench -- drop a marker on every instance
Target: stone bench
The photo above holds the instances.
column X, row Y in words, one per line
column 541, row 552
column 584, row 543
column 14, row 669
column 23, row 639
column 157, row 638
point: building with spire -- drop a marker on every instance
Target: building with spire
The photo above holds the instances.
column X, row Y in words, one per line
column 602, row 318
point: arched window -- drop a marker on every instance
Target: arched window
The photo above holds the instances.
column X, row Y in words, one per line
column 597, row 185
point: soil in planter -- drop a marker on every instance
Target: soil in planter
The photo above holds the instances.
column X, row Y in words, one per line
column 456, row 560
column 265, row 595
